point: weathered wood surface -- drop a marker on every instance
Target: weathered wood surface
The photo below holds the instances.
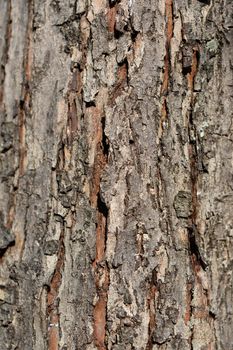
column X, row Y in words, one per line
column 116, row 189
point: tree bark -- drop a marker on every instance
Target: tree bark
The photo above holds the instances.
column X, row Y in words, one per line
column 116, row 175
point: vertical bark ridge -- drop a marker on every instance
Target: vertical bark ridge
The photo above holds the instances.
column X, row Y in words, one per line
column 4, row 60
column 4, row 57
column 24, row 111
column 24, row 106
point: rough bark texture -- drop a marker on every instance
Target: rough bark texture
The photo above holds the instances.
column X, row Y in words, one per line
column 116, row 189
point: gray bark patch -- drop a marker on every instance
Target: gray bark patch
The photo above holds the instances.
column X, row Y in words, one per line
column 183, row 204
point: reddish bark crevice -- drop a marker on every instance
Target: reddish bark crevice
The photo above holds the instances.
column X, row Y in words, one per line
column 100, row 267
column 100, row 160
column 111, row 19
column 122, row 80
column 191, row 76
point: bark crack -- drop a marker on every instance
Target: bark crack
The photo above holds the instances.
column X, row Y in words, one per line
column 194, row 249
column 122, row 79
column 100, row 266
column 192, row 230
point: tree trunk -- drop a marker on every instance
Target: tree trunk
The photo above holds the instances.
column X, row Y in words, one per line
column 116, row 187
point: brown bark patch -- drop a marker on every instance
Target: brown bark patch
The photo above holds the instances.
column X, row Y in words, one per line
column 102, row 283
column 169, row 16
column 122, row 73
column 53, row 332
column 100, row 238
column 100, row 158
column 193, row 73
column 100, row 322
column 111, row 15
column 99, row 163
column 122, row 80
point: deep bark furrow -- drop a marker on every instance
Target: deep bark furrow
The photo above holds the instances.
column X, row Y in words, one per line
column 101, row 270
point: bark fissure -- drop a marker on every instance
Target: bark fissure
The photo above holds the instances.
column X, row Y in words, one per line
column 101, row 278
column 122, row 80
column 194, row 249
column 100, row 266
column 193, row 158
column 151, row 304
